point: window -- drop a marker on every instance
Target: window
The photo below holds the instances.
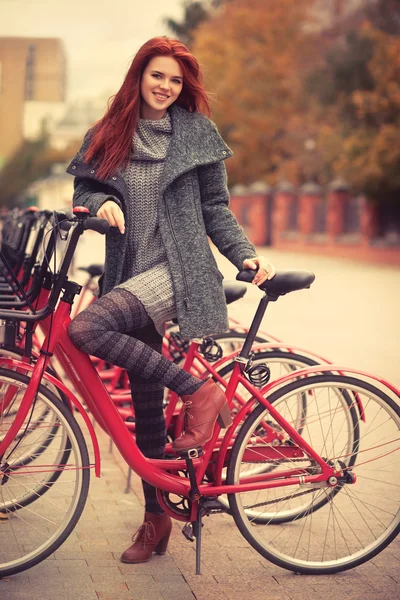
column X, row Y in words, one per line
column 293, row 214
column 30, row 73
column 351, row 215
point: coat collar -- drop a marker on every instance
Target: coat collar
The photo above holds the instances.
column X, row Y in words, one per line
column 195, row 141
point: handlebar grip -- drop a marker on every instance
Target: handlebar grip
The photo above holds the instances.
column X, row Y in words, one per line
column 246, row 275
column 97, row 224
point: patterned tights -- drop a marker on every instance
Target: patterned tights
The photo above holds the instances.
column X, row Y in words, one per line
column 117, row 328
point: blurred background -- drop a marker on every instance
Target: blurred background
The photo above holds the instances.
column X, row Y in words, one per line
column 305, row 92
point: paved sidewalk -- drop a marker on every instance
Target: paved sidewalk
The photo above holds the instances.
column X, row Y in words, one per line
column 346, row 298
column 87, row 566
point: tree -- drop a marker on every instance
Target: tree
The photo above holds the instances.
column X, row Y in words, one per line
column 371, row 151
column 384, row 15
column 194, row 14
column 254, row 70
column 31, row 162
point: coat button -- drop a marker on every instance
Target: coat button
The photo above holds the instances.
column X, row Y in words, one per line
column 114, row 178
column 92, row 171
column 223, row 152
column 74, row 167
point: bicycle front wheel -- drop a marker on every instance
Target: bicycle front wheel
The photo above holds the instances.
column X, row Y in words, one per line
column 41, row 499
column 321, row 530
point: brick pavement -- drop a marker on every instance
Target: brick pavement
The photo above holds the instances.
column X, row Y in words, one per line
column 87, row 566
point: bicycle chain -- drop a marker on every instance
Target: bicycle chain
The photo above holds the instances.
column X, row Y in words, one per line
column 267, row 502
column 283, row 498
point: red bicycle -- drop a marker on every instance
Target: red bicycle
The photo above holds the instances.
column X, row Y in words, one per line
column 315, row 495
column 213, row 356
column 196, row 356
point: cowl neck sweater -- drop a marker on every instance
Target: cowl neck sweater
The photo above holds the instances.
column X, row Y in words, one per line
column 151, row 139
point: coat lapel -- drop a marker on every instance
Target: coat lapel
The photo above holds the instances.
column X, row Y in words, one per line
column 195, row 141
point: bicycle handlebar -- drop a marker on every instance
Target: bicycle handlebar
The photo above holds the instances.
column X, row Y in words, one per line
column 96, row 224
column 79, row 223
column 90, row 223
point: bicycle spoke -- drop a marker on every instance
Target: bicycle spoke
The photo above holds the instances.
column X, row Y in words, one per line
column 334, row 526
column 44, row 486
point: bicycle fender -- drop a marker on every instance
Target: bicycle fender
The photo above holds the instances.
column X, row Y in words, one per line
column 281, row 346
column 12, row 363
column 228, row 438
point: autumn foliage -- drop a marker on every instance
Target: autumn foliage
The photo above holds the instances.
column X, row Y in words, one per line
column 299, row 99
column 371, row 151
column 253, row 53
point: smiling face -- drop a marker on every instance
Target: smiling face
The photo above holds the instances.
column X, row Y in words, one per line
column 161, row 84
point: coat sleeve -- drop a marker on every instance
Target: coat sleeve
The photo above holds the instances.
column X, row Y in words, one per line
column 88, row 193
column 221, row 225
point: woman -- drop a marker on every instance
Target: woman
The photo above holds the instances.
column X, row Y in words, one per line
column 153, row 166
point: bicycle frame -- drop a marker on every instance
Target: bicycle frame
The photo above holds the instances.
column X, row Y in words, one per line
column 84, row 377
column 194, row 361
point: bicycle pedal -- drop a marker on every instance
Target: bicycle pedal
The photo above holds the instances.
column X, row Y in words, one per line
column 187, row 531
column 191, row 453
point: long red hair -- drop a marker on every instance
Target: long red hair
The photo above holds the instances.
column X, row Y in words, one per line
column 111, row 143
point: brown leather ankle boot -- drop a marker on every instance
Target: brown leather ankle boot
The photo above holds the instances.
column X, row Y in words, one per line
column 202, row 409
column 152, row 536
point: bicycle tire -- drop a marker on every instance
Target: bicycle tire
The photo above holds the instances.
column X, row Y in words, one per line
column 355, row 539
column 229, row 338
column 299, row 423
column 17, row 352
column 52, row 507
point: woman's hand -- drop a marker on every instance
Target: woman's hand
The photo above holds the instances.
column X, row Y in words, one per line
column 265, row 270
column 113, row 214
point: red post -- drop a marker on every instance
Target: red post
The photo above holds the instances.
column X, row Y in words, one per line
column 310, row 197
column 338, row 194
column 368, row 221
column 251, row 204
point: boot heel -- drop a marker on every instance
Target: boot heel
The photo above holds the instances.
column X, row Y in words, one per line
column 161, row 547
column 224, row 417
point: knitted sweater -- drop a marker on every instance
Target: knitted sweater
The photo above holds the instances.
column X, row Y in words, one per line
column 146, row 271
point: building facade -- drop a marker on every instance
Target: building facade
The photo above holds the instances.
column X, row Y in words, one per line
column 32, row 89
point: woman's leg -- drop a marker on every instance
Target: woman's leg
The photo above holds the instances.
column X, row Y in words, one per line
column 148, row 398
column 104, row 329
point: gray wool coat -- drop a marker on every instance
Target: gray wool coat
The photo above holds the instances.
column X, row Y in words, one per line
column 193, row 204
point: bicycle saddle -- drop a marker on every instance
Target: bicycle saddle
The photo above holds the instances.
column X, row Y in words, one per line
column 93, row 270
column 233, row 291
column 283, row 282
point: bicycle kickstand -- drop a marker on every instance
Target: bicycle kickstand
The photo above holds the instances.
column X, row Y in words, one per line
column 194, row 529
column 197, row 527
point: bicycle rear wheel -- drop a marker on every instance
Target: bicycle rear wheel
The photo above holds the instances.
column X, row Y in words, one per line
column 40, row 502
column 325, row 529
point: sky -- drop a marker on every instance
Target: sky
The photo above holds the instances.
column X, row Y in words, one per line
column 100, row 36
